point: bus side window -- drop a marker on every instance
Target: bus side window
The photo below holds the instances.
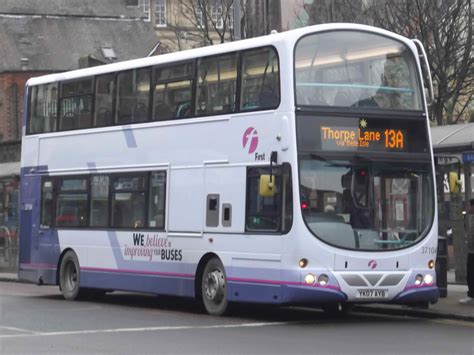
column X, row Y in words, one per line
column 156, row 200
column 129, row 200
column 43, row 108
column 133, row 96
column 260, row 80
column 75, row 104
column 270, row 213
column 217, row 81
column 47, row 203
column 72, row 203
column 287, row 198
column 173, row 91
column 104, row 99
column 99, row 212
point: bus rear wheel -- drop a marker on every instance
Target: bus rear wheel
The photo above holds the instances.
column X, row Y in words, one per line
column 214, row 288
column 70, row 277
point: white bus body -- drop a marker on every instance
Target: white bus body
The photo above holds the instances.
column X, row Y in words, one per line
column 209, row 238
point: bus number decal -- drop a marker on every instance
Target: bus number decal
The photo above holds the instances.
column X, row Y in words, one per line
column 429, row 250
column 151, row 247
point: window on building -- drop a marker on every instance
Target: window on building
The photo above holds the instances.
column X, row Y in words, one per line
column 260, row 80
column 133, row 93
column 71, row 203
column 43, row 108
column 217, row 79
column 160, row 13
column 199, row 15
column 145, row 5
column 216, row 13
column 75, row 104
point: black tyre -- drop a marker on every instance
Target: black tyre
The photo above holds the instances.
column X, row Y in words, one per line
column 214, row 288
column 70, row 277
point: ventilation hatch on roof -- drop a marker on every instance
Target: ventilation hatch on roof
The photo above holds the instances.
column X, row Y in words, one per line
column 108, row 52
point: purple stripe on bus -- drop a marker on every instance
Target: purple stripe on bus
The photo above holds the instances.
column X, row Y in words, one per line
column 139, row 272
column 38, row 266
column 413, row 287
column 276, row 282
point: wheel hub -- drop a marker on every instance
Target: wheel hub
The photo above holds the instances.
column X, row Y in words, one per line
column 214, row 285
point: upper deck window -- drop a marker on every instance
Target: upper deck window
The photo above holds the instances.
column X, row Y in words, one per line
column 217, row 83
column 260, row 80
column 75, row 104
column 355, row 69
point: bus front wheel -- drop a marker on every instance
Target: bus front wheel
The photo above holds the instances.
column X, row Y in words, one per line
column 69, row 277
column 214, row 288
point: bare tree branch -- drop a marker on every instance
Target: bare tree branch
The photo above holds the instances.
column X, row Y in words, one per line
column 443, row 26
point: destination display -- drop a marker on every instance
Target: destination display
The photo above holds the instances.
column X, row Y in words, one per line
column 326, row 133
column 375, row 139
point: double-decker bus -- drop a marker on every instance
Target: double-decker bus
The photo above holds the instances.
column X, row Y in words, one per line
column 294, row 168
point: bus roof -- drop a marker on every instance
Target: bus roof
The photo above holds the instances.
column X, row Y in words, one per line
column 290, row 37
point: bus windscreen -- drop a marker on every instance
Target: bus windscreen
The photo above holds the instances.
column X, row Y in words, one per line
column 355, row 69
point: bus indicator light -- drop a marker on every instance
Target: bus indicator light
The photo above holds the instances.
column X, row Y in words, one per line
column 431, row 264
column 303, row 263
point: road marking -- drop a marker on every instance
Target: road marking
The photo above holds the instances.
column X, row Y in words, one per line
column 19, row 330
column 147, row 329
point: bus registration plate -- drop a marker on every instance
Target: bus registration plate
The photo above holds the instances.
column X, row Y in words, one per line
column 369, row 293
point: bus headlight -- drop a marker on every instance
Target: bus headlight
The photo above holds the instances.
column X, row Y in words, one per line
column 418, row 279
column 310, row 279
column 428, row 279
column 323, row 280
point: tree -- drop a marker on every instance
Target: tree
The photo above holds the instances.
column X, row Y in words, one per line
column 259, row 17
column 443, row 26
column 212, row 19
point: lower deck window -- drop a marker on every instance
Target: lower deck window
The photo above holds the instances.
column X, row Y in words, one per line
column 71, row 203
column 128, row 201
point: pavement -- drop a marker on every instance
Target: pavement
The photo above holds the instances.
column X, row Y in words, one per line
column 446, row 308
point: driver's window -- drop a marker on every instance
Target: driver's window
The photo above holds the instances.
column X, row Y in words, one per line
column 269, row 213
column 263, row 212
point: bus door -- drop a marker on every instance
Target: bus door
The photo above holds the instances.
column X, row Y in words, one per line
column 44, row 237
column 29, row 225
